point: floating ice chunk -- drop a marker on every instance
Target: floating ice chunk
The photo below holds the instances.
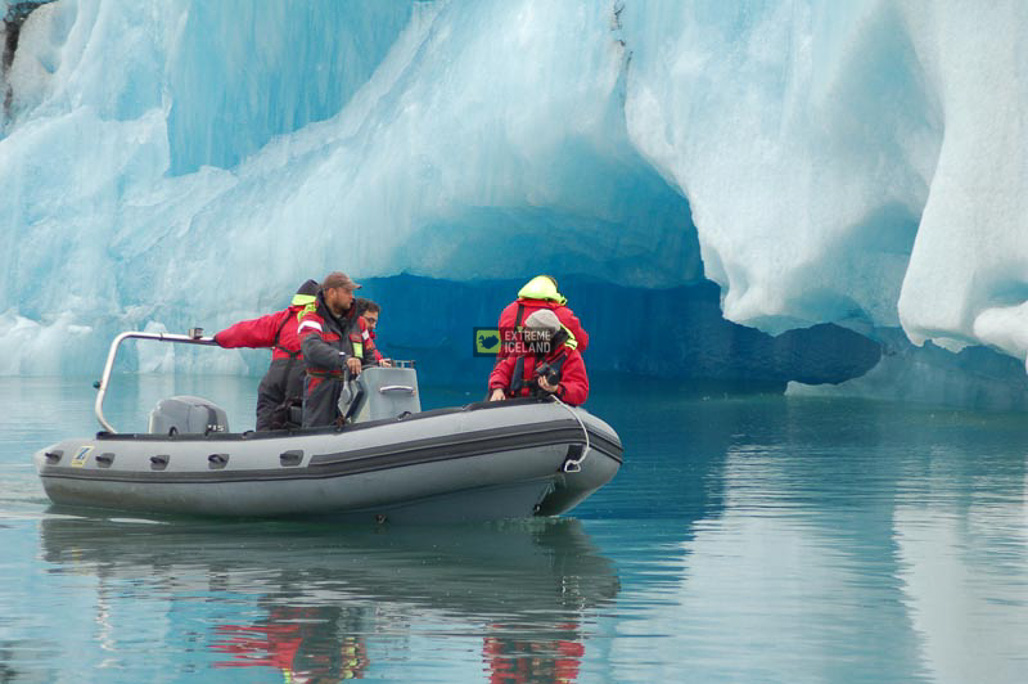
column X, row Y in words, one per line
column 1005, row 328
column 975, row 378
column 52, row 347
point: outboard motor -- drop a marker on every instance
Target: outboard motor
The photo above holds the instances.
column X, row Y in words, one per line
column 185, row 415
column 380, row 393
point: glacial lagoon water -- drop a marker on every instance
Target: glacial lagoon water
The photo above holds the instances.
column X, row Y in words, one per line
column 748, row 538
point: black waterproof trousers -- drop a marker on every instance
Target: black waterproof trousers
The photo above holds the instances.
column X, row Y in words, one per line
column 281, row 388
column 321, row 404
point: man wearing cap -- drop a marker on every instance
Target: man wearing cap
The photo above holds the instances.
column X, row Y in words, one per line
column 334, row 339
column 282, row 385
column 550, row 365
column 539, row 293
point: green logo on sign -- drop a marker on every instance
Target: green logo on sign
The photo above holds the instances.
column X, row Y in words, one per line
column 487, row 341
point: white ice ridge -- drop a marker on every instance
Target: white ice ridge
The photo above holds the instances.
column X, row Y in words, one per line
column 178, row 161
column 848, row 160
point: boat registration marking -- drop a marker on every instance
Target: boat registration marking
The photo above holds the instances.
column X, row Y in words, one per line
column 81, row 456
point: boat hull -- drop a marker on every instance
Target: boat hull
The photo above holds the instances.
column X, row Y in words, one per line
column 481, row 462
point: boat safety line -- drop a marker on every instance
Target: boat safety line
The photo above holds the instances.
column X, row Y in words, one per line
column 574, row 465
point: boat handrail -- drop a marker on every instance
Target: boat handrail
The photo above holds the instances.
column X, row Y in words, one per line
column 195, row 336
column 396, row 388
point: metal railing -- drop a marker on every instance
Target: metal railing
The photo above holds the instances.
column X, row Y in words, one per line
column 195, row 336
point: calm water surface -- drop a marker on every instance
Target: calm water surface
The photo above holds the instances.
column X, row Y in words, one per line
column 747, row 539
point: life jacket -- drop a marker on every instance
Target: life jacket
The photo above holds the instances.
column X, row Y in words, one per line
column 287, row 339
column 539, row 293
column 344, row 333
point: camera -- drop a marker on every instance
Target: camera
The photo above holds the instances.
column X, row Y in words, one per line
column 551, row 374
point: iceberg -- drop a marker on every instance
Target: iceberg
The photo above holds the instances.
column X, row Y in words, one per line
column 853, row 165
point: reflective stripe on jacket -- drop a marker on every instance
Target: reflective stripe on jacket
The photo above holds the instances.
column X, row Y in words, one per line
column 323, row 336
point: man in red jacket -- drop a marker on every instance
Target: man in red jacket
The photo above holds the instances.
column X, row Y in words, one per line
column 334, row 340
column 282, row 385
column 537, row 294
column 370, row 311
column 549, row 367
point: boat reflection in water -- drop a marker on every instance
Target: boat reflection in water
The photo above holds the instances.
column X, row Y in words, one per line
column 322, row 603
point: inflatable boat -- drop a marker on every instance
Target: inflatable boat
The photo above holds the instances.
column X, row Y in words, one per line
column 389, row 460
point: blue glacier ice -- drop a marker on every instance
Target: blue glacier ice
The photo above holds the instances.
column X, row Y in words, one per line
column 169, row 163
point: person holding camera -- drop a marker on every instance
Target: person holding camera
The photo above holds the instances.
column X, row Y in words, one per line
column 550, row 365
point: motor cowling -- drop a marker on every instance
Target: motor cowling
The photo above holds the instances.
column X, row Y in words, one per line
column 184, row 415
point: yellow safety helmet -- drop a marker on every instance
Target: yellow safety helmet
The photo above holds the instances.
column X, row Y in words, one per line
column 542, row 287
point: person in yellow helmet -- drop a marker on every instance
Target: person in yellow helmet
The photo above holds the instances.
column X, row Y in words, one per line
column 539, row 293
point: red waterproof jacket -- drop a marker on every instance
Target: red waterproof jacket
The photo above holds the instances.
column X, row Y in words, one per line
column 572, row 389
column 328, row 341
column 510, row 320
column 277, row 330
column 330, row 335
column 374, row 350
